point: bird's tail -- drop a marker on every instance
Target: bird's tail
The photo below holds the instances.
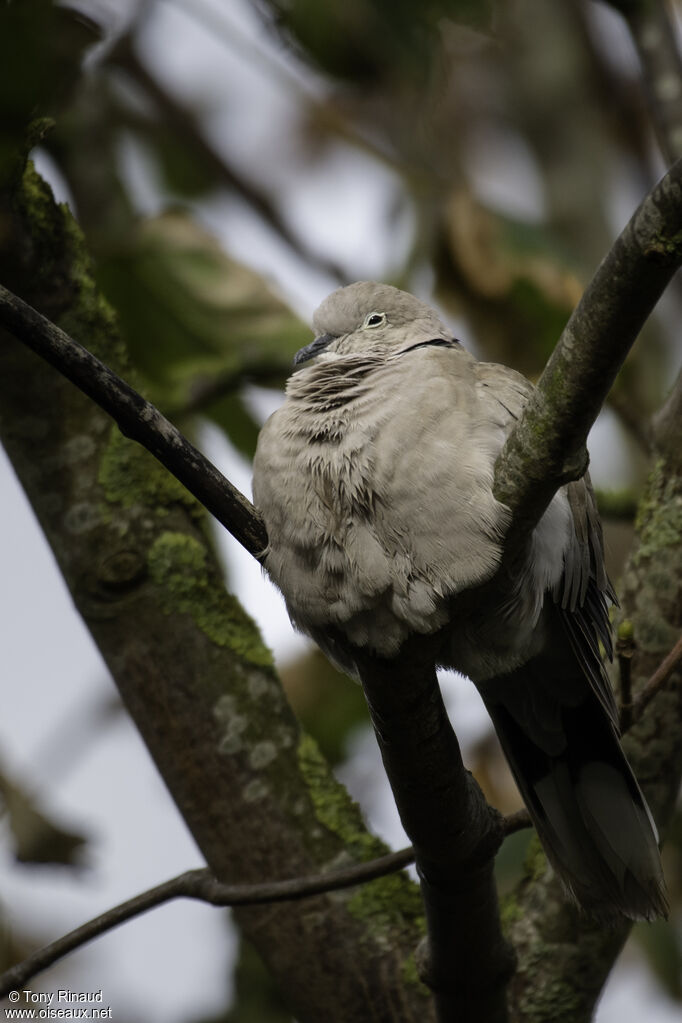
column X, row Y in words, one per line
column 587, row 807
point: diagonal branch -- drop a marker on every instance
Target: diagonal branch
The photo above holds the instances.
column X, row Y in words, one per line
column 657, row 680
column 547, row 446
column 184, row 124
column 137, row 419
column 466, row 961
column 203, row 886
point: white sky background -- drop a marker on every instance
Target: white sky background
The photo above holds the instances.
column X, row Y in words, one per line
column 171, row 965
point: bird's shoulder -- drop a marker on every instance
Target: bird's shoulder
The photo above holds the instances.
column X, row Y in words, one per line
column 503, row 386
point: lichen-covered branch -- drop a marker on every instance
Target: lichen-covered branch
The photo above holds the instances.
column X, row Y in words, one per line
column 547, row 446
column 137, row 419
column 190, row 665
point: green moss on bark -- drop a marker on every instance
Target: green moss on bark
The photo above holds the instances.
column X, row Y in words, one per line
column 659, row 517
column 382, row 903
column 178, row 565
column 62, row 270
column 388, row 901
column 334, row 808
column 130, row 476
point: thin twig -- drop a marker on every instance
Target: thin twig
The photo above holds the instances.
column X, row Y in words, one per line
column 137, row 419
column 657, row 680
column 202, row 886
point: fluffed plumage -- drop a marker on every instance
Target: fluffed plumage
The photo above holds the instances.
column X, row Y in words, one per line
column 375, row 482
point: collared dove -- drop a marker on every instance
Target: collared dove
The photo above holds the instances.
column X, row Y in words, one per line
column 374, row 479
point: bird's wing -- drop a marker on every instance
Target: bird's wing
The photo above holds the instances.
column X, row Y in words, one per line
column 583, row 591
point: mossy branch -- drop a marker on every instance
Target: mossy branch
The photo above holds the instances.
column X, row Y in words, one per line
column 137, row 419
column 547, row 446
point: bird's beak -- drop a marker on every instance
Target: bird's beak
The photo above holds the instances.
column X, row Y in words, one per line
column 313, row 349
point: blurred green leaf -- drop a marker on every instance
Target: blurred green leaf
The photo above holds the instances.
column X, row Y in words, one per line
column 37, row 838
column 41, row 47
column 198, row 323
column 327, row 702
column 510, row 279
column 184, row 172
column 367, row 41
column 182, row 300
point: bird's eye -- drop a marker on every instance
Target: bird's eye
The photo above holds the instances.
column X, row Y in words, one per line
column 374, row 319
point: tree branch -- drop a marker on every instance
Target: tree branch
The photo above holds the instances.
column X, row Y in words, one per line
column 657, row 680
column 203, row 886
column 137, row 419
column 456, row 835
column 654, row 36
column 547, row 446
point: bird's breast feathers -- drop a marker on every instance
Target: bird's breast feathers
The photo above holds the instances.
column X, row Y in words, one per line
column 376, row 489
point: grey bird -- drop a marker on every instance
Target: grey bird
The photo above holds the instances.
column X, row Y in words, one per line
column 375, row 481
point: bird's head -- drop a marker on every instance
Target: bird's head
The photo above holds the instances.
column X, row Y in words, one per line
column 367, row 318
